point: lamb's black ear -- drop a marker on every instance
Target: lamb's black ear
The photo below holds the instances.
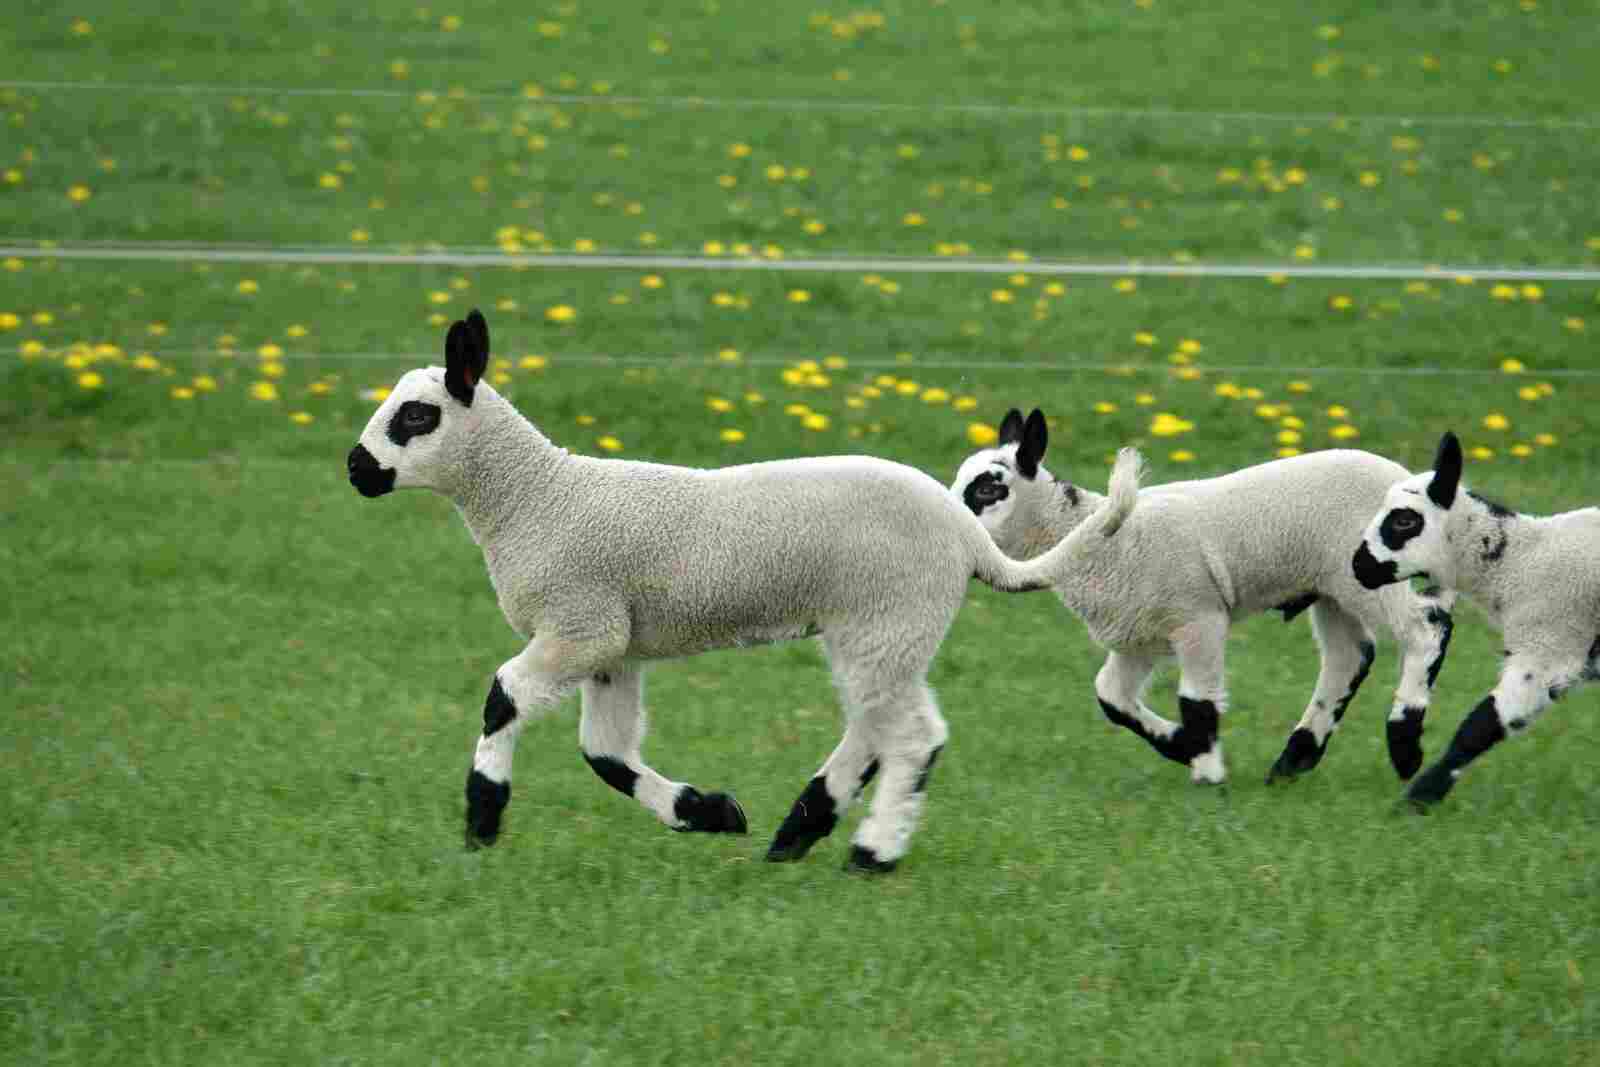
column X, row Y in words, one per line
column 1035, row 436
column 1446, row 471
column 466, row 354
column 1011, row 427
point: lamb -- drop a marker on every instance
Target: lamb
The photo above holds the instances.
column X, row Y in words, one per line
column 605, row 565
column 1538, row 579
column 1194, row 556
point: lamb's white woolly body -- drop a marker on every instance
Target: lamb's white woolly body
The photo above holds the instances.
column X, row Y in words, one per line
column 1537, row 579
column 1190, row 557
column 607, row 564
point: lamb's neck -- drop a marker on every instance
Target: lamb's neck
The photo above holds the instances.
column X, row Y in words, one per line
column 1484, row 539
column 1052, row 515
column 512, row 473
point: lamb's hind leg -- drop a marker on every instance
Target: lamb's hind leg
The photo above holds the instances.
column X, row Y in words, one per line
column 837, row 783
column 908, row 733
column 1422, row 624
column 1347, row 653
column 1119, row 686
column 610, row 733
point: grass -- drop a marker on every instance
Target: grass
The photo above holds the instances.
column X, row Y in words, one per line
column 241, row 700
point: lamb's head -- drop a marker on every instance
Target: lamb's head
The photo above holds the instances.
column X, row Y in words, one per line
column 420, row 430
column 995, row 482
column 1409, row 536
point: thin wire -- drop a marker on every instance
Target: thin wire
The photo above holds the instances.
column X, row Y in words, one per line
column 800, row 104
column 177, row 252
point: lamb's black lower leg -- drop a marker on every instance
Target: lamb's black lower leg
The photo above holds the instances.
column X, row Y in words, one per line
column 487, row 798
column 1478, row 733
column 1303, row 751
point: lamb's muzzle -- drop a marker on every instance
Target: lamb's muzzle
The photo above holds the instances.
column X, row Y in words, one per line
column 368, row 476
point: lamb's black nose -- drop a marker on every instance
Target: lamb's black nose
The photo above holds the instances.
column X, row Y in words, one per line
column 360, row 458
column 366, row 474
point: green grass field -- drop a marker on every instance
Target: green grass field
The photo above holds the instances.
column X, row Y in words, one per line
column 240, row 701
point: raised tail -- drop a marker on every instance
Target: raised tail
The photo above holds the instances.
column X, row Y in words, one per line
column 1015, row 576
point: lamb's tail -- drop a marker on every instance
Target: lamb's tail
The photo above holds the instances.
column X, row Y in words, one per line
column 1014, row 576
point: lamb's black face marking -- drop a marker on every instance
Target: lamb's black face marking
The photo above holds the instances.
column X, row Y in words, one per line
column 1495, row 547
column 1369, row 572
column 921, row 785
column 987, row 488
column 413, row 419
column 1400, row 526
column 367, row 475
column 485, row 801
column 867, row 776
column 1499, row 511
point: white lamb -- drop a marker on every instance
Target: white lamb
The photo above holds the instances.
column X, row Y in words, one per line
column 606, row 565
column 1194, row 556
column 1538, row 579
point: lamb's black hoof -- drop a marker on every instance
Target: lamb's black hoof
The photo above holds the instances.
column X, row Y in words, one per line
column 1429, row 789
column 1300, row 754
column 709, row 813
column 791, row 847
column 865, row 861
column 485, row 801
column 1405, row 743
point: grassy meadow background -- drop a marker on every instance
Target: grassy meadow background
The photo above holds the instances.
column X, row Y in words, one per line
column 239, row 701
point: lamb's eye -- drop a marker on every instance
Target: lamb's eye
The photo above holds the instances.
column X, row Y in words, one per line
column 989, row 492
column 419, row 418
column 1405, row 522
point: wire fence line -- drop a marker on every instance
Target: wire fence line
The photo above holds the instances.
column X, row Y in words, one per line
column 592, row 361
column 176, row 252
column 813, row 105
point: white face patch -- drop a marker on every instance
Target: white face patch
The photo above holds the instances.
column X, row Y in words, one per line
column 1405, row 538
column 986, row 484
column 411, row 431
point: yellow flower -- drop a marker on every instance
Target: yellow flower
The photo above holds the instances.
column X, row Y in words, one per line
column 738, row 150
column 247, row 287
column 912, row 218
column 79, row 193
column 609, row 443
column 1288, row 452
column 269, row 351
column 1001, row 296
column 717, row 403
column 1480, row 452
column 182, row 392
column 1521, row 451
column 360, row 236
column 9, row 320
column 301, row 418
column 1503, row 292
column 377, row 395
column 295, row 330
column 1532, row 292
column 907, row 387
column 1529, row 392
column 272, row 370
column 1182, row 455
column 731, row 435
column 754, row 399
column 1166, row 424
column 651, row 281
column 1227, row 389
column 1544, row 439
column 1290, row 422
column 1338, row 411
column 145, row 361
column 319, row 388
column 1496, row 421
column 204, row 383
column 1288, row 437
column 533, row 362
column 935, row 396
column 799, row 296
column 1104, row 407
column 816, row 420
column 1344, row 432
column 1268, row 411
column 583, row 244
column 82, row 27
column 1574, row 323
column 264, row 391
column 835, row 362
column 1305, row 252
column 1144, row 400
column 982, row 435
column 560, row 313
column 1144, row 337
column 329, row 180
column 961, row 403
column 90, row 380
column 1125, row 285
column 1299, row 387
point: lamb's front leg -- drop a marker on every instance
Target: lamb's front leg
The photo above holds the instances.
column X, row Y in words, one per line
column 1202, row 695
column 1347, row 652
column 1525, row 689
column 525, row 686
column 610, row 734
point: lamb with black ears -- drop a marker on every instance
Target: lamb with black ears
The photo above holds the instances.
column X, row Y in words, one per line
column 608, row 564
column 1538, row 579
column 1197, row 555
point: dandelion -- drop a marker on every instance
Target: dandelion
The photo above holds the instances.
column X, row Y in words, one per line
column 1480, row 452
column 717, row 403
column 1520, row 450
column 907, row 388
column 1166, row 424
column 1181, row 455
column 962, row 403
column 1125, row 285
column 1002, row 296
column 145, row 361
column 835, row 362
column 935, row 396
column 90, row 380
column 1268, row 411
column 1452, row 214
column 1288, row 437
column 1544, row 440
column 982, row 435
column 329, row 180
column 1496, row 421
column 9, row 320
column 1532, row 292
column 608, row 443
column 713, row 248
column 731, row 436
column 1288, row 452
column 301, row 418
column 247, row 287
column 651, row 281
column 815, row 420
column 560, row 313
column 1344, row 432
column 1574, row 324
column 1145, row 338
column 799, row 296
column 1104, row 407
column 1504, row 292
column 182, row 392
column 1055, row 289
column 1338, row 411
column 912, row 218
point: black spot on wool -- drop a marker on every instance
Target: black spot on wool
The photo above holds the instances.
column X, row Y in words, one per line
column 497, row 709
column 1499, row 511
column 613, row 772
column 1291, row 608
column 1369, row 572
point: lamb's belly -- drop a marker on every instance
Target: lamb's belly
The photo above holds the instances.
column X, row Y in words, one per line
column 657, row 641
